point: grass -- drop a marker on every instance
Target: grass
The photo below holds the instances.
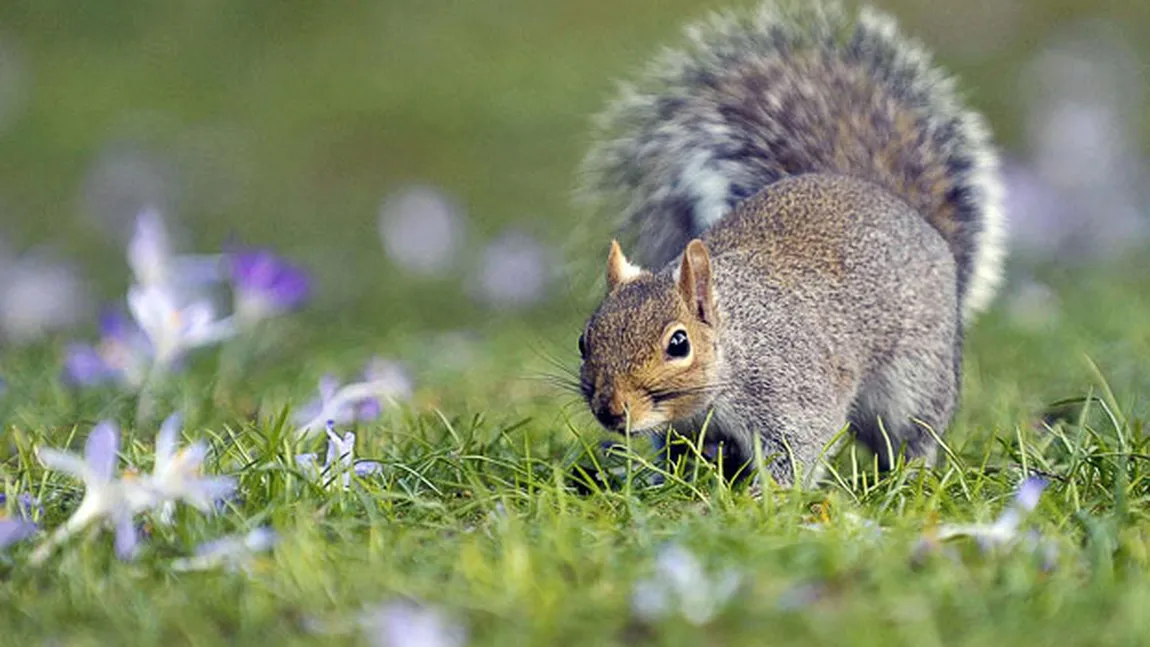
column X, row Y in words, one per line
column 273, row 113
column 477, row 510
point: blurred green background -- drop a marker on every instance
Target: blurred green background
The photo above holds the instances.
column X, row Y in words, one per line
column 289, row 123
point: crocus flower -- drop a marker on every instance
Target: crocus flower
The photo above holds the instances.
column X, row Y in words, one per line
column 681, row 587
column 409, row 624
column 174, row 328
column 1004, row 531
column 105, row 497
column 233, row 553
column 177, row 475
column 21, row 526
column 155, row 264
column 357, row 401
column 122, row 355
column 14, row 530
column 266, row 285
column 340, row 457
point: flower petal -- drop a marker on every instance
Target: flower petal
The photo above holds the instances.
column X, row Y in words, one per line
column 14, row 530
column 363, row 468
column 167, row 440
column 127, row 538
column 59, row 461
column 150, row 248
column 100, row 450
column 83, row 365
column 1029, row 492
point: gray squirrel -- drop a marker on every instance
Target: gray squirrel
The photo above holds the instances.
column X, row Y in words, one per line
column 822, row 218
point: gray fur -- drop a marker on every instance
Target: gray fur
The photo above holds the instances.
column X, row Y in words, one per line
column 807, row 346
column 775, row 93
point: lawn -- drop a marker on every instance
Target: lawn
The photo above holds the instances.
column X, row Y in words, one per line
column 493, row 511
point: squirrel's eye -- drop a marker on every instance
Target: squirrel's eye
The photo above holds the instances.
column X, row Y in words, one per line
column 678, row 346
column 582, row 347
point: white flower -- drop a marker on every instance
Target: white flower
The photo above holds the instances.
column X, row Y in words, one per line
column 681, row 587
column 39, row 295
column 156, row 265
column 384, row 380
column 106, row 499
column 233, row 553
column 174, row 328
column 177, row 475
column 340, row 457
column 1004, row 531
column 409, row 624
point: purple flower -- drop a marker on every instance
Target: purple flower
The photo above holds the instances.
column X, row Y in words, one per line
column 21, row 527
column 27, row 507
column 14, row 530
column 266, row 284
column 122, row 355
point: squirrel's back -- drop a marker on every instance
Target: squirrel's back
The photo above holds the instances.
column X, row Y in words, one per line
column 776, row 93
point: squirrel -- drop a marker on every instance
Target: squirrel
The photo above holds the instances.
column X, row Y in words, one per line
column 823, row 220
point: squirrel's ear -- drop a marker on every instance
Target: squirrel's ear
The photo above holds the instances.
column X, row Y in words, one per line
column 619, row 269
column 695, row 281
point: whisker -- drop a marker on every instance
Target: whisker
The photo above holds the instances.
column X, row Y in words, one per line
column 662, row 395
column 564, row 382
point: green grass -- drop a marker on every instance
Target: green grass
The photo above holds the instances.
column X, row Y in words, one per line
column 477, row 511
column 287, row 123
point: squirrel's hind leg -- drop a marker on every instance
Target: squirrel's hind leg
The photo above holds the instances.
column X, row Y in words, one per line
column 902, row 407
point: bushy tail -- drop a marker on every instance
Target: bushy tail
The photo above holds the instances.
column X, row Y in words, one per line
column 761, row 96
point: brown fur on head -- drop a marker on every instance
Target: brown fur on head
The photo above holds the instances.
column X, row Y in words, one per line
column 636, row 373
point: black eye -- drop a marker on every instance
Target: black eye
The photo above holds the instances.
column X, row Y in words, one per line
column 582, row 347
column 678, row 346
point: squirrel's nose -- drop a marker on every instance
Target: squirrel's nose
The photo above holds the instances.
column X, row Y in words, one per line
column 610, row 419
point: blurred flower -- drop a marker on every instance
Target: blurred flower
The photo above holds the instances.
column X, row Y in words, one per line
column 1004, row 531
column 39, row 295
column 340, row 458
column 177, row 475
column 410, row 624
column 513, row 271
column 232, row 553
column 172, row 328
column 124, row 179
column 105, row 498
column 122, row 355
column 801, row 595
column 1033, row 305
column 681, row 587
column 1082, row 193
column 266, row 285
column 27, row 507
column 156, row 265
column 22, row 525
column 14, row 530
column 344, row 405
column 422, row 230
